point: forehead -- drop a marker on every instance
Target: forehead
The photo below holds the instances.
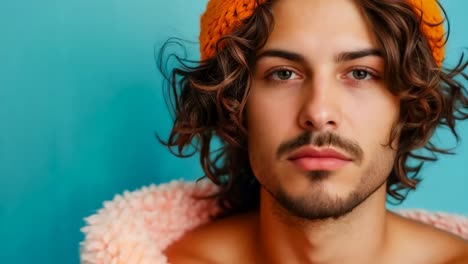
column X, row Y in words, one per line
column 334, row 24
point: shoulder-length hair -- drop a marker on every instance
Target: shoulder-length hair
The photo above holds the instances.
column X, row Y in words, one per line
column 209, row 99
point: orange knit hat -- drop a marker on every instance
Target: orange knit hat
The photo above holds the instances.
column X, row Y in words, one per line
column 223, row 16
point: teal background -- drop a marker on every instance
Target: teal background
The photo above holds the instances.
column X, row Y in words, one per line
column 80, row 100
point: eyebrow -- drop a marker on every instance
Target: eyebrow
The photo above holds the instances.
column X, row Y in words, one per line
column 353, row 55
column 288, row 55
column 341, row 57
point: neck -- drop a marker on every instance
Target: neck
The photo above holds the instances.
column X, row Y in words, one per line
column 357, row 237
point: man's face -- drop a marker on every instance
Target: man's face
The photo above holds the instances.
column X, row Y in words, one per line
column 317, row 91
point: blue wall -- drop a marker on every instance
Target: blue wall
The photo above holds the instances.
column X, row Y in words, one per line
column 80, row 100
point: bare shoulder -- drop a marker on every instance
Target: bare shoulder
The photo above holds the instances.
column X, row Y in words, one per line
column 461, row 258
column 179, row 255
column 213, row 243
column 432, row 244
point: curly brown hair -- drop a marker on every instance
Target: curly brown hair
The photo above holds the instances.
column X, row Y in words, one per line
column 208, row 100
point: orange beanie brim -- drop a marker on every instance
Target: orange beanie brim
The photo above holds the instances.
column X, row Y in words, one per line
column 432, row 26
column 222, row 17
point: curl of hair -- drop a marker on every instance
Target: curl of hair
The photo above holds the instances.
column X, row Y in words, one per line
column 208, row 100
column 430, row 96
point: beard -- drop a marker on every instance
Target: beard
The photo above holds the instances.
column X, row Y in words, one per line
column 318, row 203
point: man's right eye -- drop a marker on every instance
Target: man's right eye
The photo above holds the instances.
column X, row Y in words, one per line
column 283, row 75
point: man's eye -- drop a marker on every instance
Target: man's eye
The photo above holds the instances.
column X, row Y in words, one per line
column 361, row 74
column 283, row 75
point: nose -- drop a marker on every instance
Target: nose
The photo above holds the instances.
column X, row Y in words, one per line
column 320, row 106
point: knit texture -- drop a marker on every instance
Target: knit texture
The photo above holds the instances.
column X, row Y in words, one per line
column 432, row 26
column 136, row 227
column 222, row 17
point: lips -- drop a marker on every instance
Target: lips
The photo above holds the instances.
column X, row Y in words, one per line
column 310, row 159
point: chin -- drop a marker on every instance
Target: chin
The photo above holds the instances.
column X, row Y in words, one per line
column 318, row 204
column 317, row 197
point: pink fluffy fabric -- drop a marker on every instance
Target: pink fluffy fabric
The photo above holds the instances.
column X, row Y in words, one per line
column 137, row 226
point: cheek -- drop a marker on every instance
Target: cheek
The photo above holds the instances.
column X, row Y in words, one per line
column 375, row 118
column 370, row 122
column 267, row 127
column 378, row 136
column 270, row 110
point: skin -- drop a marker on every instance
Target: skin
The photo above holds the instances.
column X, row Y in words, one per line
column 337, row 216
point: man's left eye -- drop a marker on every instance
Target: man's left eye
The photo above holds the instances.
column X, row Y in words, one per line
column 361, row 74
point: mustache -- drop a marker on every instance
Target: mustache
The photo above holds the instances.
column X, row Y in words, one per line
column 329, row 139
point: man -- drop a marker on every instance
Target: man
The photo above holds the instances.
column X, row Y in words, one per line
column 318, row 105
